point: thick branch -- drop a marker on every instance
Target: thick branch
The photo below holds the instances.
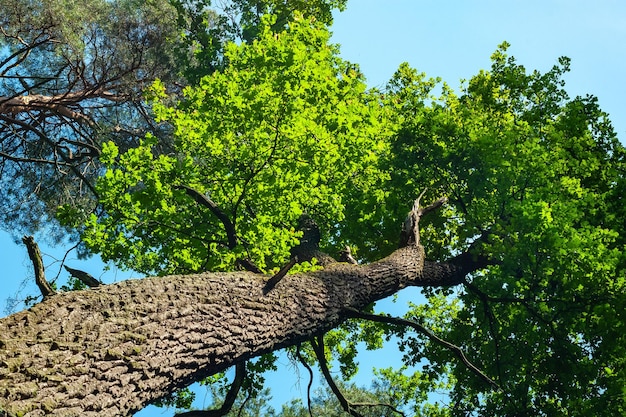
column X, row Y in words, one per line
column 307, row 250
column 113, row 349
column 84, row 277
column 309, row 246
column 59, row 104
column 346, row 256
column 40, row 275
column 410, row 229
column 271, row 283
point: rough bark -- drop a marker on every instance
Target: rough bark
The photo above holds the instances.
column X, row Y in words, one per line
column 112, row 350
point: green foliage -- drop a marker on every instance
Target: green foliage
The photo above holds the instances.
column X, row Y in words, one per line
column 108, row 37
column 286, row 129
column 73, row 284
column 285, row 11
column 93, row 57
column 534, row 179
column 206, row 30
column 181, row 399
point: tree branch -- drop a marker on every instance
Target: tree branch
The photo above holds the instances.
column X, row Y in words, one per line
column 208, row 203
column 308, row 388
column 318, row 347
column 410, row 229
column 271, row 283
column 56, row 104
column 457, row 351
column 229, row 400
column 346, row 256
column 305, row 251
column 349, row 407
column 66, row 159
column 492, row 325
column 84, row 277
column 40, row 275
column 23, row 51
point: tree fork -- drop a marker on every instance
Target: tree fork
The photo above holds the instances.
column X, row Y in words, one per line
column 114, row 349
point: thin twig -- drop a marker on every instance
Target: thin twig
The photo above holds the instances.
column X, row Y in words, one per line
column 484, row 298
column 457, row 351
column 51, row 143
column 308, row 388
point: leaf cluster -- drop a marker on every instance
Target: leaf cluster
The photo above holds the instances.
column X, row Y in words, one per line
column 90, row 63
column 286, row 129
column 534, row 180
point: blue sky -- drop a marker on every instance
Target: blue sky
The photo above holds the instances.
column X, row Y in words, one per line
column 448, row 39
column 454, row 40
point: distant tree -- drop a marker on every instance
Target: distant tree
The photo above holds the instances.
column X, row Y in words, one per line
column 374, row 402
column 71, row 76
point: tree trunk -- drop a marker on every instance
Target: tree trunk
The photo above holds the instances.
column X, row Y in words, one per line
column 112, row 350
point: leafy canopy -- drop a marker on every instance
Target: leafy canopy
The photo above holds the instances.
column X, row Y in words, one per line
column 72, row 77
column 287, row 128
column 535, row 181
